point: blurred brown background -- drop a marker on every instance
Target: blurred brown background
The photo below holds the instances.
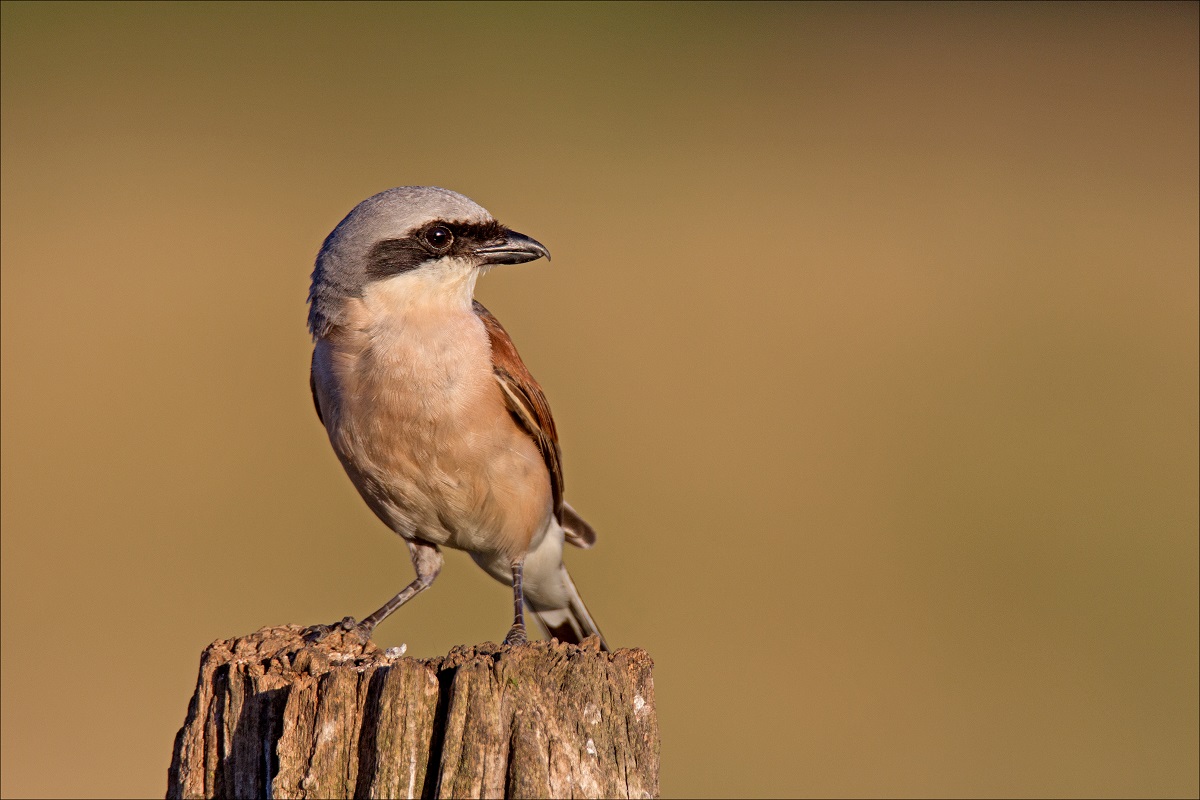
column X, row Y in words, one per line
column 871, row 332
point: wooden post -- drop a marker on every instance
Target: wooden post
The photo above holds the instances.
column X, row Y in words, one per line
column 274, row 716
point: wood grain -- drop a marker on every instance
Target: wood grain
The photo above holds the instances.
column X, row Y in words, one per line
column 274, row 716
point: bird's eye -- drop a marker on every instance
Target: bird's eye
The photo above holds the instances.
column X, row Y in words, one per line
column 439, row 237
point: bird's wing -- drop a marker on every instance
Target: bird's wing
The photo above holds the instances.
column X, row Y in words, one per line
column 312, row 387
column 525, row 400
column 578, row 532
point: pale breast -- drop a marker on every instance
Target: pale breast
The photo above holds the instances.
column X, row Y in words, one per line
column 419, row 422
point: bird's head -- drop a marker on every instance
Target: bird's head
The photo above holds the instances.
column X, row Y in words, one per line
column 417, row 239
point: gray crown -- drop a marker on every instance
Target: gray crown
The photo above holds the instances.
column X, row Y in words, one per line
column 340, row 271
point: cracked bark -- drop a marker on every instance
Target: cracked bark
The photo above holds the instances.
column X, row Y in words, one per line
column 273, row 716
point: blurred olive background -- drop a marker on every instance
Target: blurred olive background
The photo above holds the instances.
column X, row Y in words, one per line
column 871, row 333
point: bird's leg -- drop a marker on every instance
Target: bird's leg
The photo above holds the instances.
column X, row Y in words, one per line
column 427, row 561
column 516, row 634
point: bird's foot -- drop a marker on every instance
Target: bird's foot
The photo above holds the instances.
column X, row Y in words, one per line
column 516, row 635
column 348, row 626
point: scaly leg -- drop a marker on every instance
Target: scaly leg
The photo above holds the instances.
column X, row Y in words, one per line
column 516, row 634
column 427, row 561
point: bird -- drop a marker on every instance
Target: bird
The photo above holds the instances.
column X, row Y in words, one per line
column 432, row 413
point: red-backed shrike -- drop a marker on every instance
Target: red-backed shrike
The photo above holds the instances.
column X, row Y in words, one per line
column 434, row 416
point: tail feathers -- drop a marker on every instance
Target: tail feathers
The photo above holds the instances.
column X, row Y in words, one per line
column 571, row 624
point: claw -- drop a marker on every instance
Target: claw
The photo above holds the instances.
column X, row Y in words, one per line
column 314, row 634
column 516, row 636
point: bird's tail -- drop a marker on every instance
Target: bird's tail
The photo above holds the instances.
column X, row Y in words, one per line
column 573, row 623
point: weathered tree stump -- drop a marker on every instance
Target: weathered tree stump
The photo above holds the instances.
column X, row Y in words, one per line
column 274, row 716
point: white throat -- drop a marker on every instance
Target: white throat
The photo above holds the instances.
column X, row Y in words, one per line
column 447, row 285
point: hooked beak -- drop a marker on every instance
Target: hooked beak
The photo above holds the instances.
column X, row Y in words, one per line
column 514, row 248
